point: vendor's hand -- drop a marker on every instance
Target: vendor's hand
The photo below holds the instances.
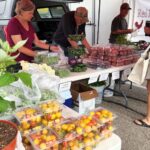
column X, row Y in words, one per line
column 147, row 30
column 54, row 48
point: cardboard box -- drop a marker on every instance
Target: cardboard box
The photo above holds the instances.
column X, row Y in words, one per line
column 82, row 92
column 84, row 96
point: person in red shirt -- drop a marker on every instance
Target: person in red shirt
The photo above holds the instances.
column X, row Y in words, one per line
column 20, row 28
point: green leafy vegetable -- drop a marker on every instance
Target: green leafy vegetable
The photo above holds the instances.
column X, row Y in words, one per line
column 49, row 60
column 47, row 95
column 62, row 72
column 76, row 51
column 79, row 68
column 77, row 37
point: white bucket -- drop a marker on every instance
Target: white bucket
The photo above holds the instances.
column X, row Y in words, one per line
column 99, row 90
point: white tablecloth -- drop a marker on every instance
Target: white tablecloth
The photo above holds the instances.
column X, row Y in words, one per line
column 112, row 143
column 75, row 76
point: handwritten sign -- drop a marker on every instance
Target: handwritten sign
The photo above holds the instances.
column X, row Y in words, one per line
column 103, row 77
column 64, row 86
column 93, row 79
column 115, row 75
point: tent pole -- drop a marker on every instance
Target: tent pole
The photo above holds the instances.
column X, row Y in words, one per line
column 98, row 26
column 93, row 20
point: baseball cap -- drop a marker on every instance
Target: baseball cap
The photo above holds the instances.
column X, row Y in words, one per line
column 125, row 6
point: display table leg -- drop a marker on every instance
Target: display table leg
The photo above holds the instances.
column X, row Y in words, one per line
column 119, row 92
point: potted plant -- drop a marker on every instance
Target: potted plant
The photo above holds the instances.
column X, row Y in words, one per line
column 6, row 78
column 8, row 131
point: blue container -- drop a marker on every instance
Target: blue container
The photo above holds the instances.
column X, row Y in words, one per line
column 69, row 102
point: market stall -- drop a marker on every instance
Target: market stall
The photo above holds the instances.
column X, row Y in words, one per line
column 44, row 122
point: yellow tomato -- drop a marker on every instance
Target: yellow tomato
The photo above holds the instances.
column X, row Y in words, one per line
column 79, row 130
column 64, row 126
column 25, row 126
column 97, row 137
column 88, row 129
column 82, row 124
column 43, row 137
column 72, row 126
column 53, row 116
column 110, row 128
column 92, row 113
column 53, row 137
column 88, row 148
column 44, row 131
column 38, row 119
column 44, row 122
column 87, row 140
column 91, row 134
column 43, row 146
column 58, row 114
column 36, row 141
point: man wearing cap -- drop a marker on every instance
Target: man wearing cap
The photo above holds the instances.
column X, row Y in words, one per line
column 119, row 24
column 71, row 23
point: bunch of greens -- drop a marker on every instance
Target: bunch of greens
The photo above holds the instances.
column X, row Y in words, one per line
column 62, row 72
column 77, row 37
column 47, row 95
column 122, row 40
column 76, row 51
column 46, row 59
column 79, row 68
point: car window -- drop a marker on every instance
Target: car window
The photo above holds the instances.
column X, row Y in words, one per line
column 51, row 12
column 57, row 12
column 44, row 12
column 2, row 6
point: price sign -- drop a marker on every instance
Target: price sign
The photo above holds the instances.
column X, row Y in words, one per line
column 115, row 75
column 93, row 79
column 103, row 77
column 64, row 86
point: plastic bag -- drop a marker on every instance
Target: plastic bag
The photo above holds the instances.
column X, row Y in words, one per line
column 63, row 59
column 33, row 94
column 48, row 85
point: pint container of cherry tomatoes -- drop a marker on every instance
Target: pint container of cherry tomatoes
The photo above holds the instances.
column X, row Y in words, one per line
column 44, row 139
